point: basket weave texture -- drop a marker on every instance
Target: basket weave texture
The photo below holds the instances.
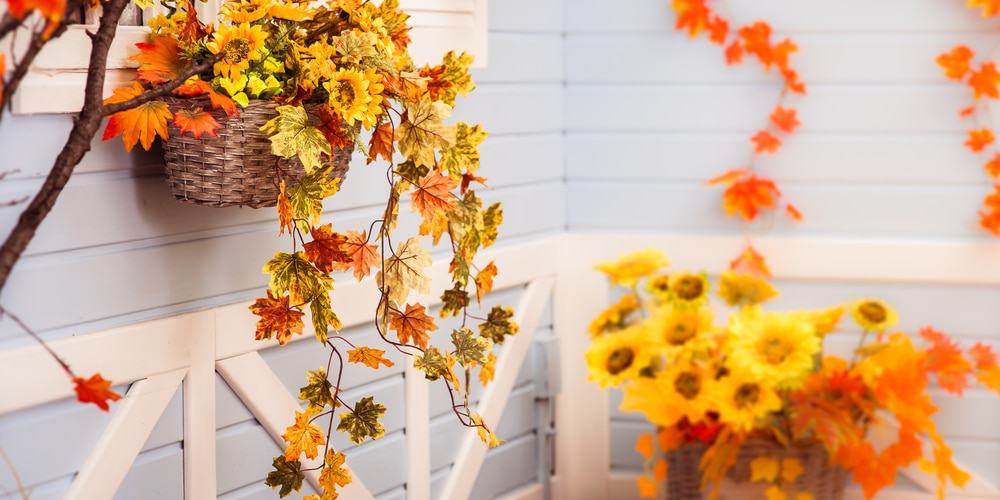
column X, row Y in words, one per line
column 823, row 480
column 236, row 168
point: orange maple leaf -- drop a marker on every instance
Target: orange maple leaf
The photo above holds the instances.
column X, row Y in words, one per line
column 139, row 124
column 413, row 325
column 734, row 53
column 966, row 112
column 985, row 81
column 979, row 139
column 728, row 178
column 468, row 178
column 363, row 256
column 956, row 62
column 277, row 318
column 987, row 369
column 484, row 281
column 990, row 7
column 792, row 83
column 644, row 445
column 381, row 143
column 369, row 357
column 3, row 71
column 159, row 61
column 196, row 121
column 756, row 41
column 302, row 437
column 49, row 9
column 332, row 127
column 784, row 119
column 432, row 193
column 780, row 53
column 748, row 195
column 793, row 212
column 944, row 358
column 201, row 87
column 765, row 141
column 990, row 219
column 750, row 262
column 94, row 390
column 692, row 15
column 286, row 212
column 718, row 30
column 436, row 82
column 325, row 248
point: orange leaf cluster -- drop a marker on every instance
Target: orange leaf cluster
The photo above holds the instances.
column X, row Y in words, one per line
column 989, row 217
column 95, row 390
column 746, row 193
column 979, row 139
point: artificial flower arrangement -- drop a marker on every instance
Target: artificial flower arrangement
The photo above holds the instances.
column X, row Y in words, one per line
column 719, row 383
column 347, row 60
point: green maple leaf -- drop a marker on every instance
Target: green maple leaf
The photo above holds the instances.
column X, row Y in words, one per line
column 498, row 324
column 323, row 316
column 421, row 131
column 492, row 218
column 364, row 421
column 411, row 171
column 455, row 301
column 405, row 270
column 463, row 156
column 307, row 197
column 286, row 474
column 456, row 72
column 470, row 349
column 296, row 275
column 291, row 135
column 432, row 363
column 319, row 392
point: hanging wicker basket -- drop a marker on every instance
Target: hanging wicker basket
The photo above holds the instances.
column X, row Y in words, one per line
column 821, row 479
column 236, row 168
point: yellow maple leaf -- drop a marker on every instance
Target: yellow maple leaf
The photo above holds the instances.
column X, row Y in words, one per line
column 484, row 432
column 804, row 496
column 302, row 437
column 644, row 445
column 660, row 469
column 764, row 469
column 647, row 488
column 775, row 493
column 334, row 473
column 404, row 270
column 368, row 356
column 487, row 369
column 421, row 131
column 139, row 124
column 791, row 468
column 484, row 281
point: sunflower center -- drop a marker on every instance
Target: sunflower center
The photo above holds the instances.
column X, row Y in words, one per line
column 873, row 311
column 774, row 350
column 688, row 288
column 688, row 384
column 619, row 360
column 345, row 93
column 681, row 330
column 237, row 50
column 746, row 395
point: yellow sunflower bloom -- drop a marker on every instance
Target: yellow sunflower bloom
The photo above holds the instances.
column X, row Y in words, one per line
column 777, row 347
column 739, row 289
column 614, row 317
column 618, row 356
column 688, row 288
column 681, row 331
column 873, row 314
column 245, row 11
column 349, row 95
column 375, row 88
column 627, row 270
column 290, row 12
column 741, row 400
column 824, row 321
column 677, row 392
column 242, row 44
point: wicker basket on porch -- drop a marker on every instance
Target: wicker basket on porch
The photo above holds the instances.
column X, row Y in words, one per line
column 236, row 168
column 821, row 479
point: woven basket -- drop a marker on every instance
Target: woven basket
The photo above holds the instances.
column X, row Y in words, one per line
column 823, row 480
column 236, row 168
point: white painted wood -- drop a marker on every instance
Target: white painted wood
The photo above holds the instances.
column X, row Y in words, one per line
column 418, row 440
column 266, row 397
column 472, row 451
column 104, row 470
column 199, row 417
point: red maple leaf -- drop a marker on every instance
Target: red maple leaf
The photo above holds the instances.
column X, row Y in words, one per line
column 765, row 141
column 979, row 139
column 94, row 390
column 748, row 195
column 326, row 248
column 277, row 318
column 956, row 63
column 196, row 121
column 784, row 119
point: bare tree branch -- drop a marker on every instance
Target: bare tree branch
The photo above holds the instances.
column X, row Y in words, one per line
column 162, row 89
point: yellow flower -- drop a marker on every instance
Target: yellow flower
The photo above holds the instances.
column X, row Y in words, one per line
column 242, row 44
column 777, row 347
column 681, row 331
column 349, row 95
column 616, row 357
column 245, row 11
column 629, row 268
column 739, row 289
column 677, row 392
column 873, row 314
column 290, row 12
column 688, row 288
column 614, row 317
column 824, row 321
column 742, row 400
column 375, row 88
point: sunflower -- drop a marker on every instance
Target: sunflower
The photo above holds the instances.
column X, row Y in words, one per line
column 739, row 289
column 873, row 314
column 614, row 317
column 618, row 356
column 680, row 331
column 629, row 268
column 688, row 288
column 242, row 44
column 349, row 95
column 245, row 11
column 289, row 12
column 778, row 347
column 741, row 400
column 675, row 393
